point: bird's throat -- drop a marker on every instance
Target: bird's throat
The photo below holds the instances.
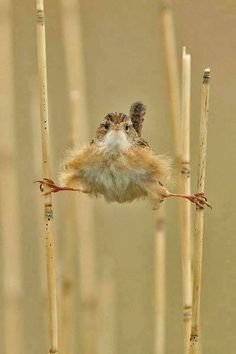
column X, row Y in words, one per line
column 115, row 141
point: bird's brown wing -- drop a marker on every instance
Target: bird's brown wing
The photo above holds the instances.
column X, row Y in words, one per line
column 142, row 143
column 137, row 112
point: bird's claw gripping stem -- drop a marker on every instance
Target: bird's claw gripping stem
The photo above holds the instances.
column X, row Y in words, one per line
column 54, row 188
column 198, row 198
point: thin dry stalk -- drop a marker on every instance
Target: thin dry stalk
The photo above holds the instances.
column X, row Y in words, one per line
column 160, row 274
column 11, row 242
column 174, row 98
column 36, row 170
column 79, row 209
column 198, row 240
column 67, row 315
column 184, row 177
column 106, row 310
column 48, row 212
column 36, row 152
column 160, row 243
column 172, row 70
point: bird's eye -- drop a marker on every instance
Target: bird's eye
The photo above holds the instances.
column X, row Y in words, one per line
column 106, row 126
column 127, row 127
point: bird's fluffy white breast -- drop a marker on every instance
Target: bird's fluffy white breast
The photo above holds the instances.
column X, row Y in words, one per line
column 113, row 179
column 115, row 184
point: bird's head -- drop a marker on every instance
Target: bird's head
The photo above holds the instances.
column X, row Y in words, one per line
column 116, row 132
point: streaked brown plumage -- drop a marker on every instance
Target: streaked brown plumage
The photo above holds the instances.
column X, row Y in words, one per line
column 119, row 164
column 137, row 113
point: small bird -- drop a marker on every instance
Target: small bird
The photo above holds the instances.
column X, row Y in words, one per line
column 119, row 164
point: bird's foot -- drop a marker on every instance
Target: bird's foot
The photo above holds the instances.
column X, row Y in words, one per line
column 54, row 188
column 199, row 199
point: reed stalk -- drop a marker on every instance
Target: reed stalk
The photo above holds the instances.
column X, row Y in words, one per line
column 185, row 210
column 172, row 70
column 12, row 338
column 36, row 152
column 181, row 131
column 48, row 211
column 106, row 310
column 160, row 275
column 174, row 99
column 198, row 237
column 72, row 54
column 78, row 237
column 36, row 170
column 160, row 241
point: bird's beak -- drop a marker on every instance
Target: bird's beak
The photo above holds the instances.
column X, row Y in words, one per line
column 116, row 128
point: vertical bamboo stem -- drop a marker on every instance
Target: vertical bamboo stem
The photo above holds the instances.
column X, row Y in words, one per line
column 198, row 239
column 172, row 70
column 160, row 270
column 185, row 206
column 12, row 318
column 48, row 212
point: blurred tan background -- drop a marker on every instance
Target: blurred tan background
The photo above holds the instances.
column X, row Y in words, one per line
column 124, row 61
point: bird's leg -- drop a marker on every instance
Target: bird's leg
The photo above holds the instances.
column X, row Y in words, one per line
column 54, row 188
column 197, row 198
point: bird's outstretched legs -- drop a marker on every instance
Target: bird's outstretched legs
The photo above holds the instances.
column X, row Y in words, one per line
column 197, row 198
column 54, row 188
